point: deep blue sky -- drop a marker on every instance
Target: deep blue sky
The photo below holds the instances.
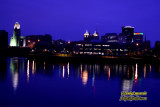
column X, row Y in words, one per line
column 69, row 19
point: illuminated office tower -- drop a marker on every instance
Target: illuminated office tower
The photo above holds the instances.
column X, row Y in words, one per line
column 86, row 36
column 128, row 32
column 17, row 40
column 95, row 35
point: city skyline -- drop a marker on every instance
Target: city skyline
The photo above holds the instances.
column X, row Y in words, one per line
column 79, row 53
column 69, row 20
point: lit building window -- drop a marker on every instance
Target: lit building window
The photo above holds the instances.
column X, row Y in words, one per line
column 69, row 42
column 88, row 44
column 106, row 45
column 29, row 41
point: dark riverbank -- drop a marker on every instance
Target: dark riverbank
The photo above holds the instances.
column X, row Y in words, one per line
column 91, row 58
column 26, row 52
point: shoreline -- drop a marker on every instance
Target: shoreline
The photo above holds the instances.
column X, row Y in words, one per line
column 94, row 59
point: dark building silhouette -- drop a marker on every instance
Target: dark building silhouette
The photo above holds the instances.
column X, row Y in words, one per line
column 110, row 37
column 147, row 45
column 3, row 39
column 138, row 38
column 41, row 41
column 128, row 32
column 121, row 38
column 157, row 45
column 58, row 45
column 157, row 48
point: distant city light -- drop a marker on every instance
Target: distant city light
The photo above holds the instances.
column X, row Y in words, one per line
column 69, row 42
column 29, row 41
column 86, row 34
column 137, row 44
column 95, row 34
column 138, row 33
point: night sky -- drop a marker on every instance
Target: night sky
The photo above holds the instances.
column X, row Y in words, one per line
column 69, row 19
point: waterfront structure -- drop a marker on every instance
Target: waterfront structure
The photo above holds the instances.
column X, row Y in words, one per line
column 99, row 48
column 128, row 31
column 17, row 40
column 3, row 39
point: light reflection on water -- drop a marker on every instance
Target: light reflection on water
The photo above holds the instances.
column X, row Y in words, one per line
column 129, row 76
column 128, row 73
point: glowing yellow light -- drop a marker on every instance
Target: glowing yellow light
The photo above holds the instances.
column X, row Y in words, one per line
column 29, row 41
column 137, row 44
column 69, row 42
column 38, row 40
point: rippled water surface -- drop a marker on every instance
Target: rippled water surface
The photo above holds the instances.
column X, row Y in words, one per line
column 27, row 83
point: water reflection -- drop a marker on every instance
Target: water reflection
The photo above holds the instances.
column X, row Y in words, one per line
column 127, row 85
column 84, row 77
column 17, row 65
column 136, row 73
column 145, row 71
column 63, row 72
column 68, row 69
column 15, row 72
column 28, row 70
column 128, row 75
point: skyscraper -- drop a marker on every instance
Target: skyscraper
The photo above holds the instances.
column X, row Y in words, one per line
column 138, row 38
column 128, row 31
column 17, row 39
